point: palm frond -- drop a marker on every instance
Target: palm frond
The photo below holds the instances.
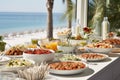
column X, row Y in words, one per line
column 69, row 13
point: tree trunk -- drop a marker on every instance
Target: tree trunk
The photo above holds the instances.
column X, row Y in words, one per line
column 69, row 23
column 69, row 15
column 50, row 25
column 49, row 6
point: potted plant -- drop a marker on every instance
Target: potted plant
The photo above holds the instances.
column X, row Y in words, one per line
column 118, row 33
column 2, row 44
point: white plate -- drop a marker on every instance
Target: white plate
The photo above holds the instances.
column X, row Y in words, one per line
column 116, row 50
column 5, row 68
column 12, row 69
column 7, row 76
column 100, row 50
column 95, row 59
column 68, row 72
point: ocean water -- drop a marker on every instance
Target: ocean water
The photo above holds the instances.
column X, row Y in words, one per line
column 18, row 21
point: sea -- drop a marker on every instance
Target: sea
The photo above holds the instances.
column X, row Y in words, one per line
column 25, row 21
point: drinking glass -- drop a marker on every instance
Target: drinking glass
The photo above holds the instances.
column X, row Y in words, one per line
column 34, row 41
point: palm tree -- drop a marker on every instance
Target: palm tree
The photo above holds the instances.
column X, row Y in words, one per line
column 100, row 8
column 96, row 14
column 113, row 13
column 49, row 6
column 69, row 12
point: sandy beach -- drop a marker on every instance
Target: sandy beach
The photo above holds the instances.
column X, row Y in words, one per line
column 26, row 37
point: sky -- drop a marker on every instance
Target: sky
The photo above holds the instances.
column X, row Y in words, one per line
column 29, row 6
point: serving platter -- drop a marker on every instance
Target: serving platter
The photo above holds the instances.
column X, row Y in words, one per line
column 69, row 72
column 14, row 56
column 100, row 50
column 93, row 56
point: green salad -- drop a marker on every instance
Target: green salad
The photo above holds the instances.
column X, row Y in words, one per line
column 69, row 57
column 18, row 63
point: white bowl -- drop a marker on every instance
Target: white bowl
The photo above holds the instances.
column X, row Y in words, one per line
column 68, row 57
column 78, row 42
column 7, row 75
column 66, row 49
column 62, row 36
column 38, row 58
column 100, row 50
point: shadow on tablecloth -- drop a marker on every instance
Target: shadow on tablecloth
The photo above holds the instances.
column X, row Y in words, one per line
column 87, row 72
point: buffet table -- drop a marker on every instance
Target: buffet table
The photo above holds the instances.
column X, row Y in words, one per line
column 107, row 69
column 104, row 70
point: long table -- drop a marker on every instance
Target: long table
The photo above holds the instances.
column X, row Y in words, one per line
column 108, row 69
column 104, row 70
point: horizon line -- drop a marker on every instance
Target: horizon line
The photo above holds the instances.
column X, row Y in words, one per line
column 26, row 12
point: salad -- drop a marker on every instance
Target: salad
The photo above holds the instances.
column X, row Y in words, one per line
column 19, row 63
column 69, row 57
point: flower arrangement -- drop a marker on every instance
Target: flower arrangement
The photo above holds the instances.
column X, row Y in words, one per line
column 87, row 32
column 111, row 34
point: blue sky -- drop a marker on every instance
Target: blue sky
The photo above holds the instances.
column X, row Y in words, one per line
column 29, row 6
